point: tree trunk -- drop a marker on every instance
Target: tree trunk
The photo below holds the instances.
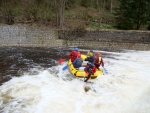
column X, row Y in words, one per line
column 60, row 6
column 101, row 12
column 104, row 4
column 111, row 5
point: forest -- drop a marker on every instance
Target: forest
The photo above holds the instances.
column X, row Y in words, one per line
column 78, row 14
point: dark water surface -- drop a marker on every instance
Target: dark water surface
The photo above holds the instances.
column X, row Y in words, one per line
column 14, row 61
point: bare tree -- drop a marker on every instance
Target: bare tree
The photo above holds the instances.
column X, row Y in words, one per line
column 101, row 10
column 111, row 5
column 60, row 6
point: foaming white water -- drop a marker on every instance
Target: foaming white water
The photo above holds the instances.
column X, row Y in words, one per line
column 126, row 89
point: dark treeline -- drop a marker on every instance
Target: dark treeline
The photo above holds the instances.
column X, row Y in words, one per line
column 93, row 14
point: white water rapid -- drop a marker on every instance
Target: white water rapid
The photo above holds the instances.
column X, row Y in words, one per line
column 125, row 89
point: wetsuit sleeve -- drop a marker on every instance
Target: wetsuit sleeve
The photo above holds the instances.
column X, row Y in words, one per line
column 78, row 54
column 90, row 59
column 74, row 62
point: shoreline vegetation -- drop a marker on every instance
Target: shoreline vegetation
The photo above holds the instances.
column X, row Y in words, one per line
column 78, row 14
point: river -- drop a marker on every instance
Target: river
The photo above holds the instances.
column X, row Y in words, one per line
column 33, row 82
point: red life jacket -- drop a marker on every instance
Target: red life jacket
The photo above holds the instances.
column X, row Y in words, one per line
column 98, row 60
column 73, row 55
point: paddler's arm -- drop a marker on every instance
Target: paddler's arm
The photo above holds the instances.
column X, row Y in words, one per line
column 74, row 62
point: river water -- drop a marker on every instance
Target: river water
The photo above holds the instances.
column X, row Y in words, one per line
column 33, row 82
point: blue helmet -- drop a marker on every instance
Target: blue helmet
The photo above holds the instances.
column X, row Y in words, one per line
column 76, row 49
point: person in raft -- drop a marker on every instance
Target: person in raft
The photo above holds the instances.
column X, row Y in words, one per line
column 77, row 63
column 98, row 60
column 90, row 69
column 74, row 54
column 90, row 56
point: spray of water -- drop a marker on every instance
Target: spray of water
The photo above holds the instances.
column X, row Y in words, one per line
column 125, row 89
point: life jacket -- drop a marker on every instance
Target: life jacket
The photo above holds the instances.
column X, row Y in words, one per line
column 79, row 62
column 73, row 55
column 98, row 60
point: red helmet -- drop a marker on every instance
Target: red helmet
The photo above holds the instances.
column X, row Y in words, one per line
column 98, row 54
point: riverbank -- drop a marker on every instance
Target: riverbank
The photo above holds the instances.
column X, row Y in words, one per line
column 31, row 36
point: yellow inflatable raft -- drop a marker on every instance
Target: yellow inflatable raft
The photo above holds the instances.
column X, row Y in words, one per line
column 80, row 72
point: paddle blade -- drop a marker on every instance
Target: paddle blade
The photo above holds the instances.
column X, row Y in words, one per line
column 65, row 67
column 105, row 71
column 61, row 60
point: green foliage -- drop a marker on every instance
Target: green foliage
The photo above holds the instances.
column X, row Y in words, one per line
column 107, row 26
column 93, row 14
column 132, row 14
column 95, row 26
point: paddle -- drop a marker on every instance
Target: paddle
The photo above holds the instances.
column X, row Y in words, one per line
column 105, row 71
column 65, row 67
column 61, row 60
